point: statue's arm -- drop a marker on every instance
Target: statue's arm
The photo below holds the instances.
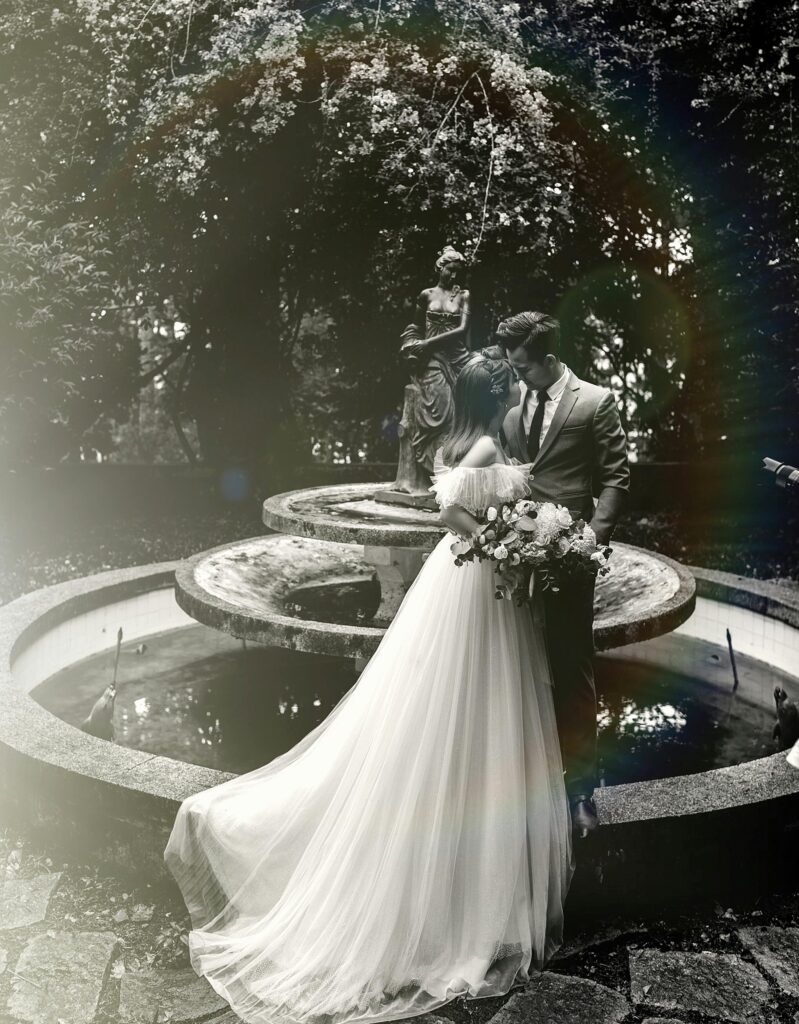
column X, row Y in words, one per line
column 611, row 468
column 414, row 347
column 420, row 312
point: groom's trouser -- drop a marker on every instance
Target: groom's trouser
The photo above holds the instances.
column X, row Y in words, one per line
column 569, row 631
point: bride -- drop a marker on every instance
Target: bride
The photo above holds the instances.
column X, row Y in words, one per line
column 416, row 845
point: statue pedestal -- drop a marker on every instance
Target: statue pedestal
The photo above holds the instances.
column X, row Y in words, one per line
column 396, row 569
column 412, row 485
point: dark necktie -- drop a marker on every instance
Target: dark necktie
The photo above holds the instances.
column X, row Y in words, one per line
column 534, row 437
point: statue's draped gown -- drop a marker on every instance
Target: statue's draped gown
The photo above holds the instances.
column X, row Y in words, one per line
column 416, row 845
column 436, row 379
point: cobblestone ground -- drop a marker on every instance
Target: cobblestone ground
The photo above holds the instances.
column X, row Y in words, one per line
column 80, row 946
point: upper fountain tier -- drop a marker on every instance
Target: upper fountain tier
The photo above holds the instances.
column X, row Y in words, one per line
column 316, row 589
column 350, row 514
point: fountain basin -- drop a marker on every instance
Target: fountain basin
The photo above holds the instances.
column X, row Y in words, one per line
column 122, row 802
column 249, row 589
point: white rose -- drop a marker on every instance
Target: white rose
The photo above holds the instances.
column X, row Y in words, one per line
column 585, row 543
column 515, row 558
column 491, row 514
column 564, row 516
column 500, row 551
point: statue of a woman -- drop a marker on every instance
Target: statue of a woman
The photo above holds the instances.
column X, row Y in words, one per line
column 435, row 347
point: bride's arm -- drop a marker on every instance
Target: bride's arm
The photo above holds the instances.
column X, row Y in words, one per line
column 459, row 521
column 482, row 453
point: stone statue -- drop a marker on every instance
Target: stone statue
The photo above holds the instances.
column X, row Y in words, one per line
column 435, row 349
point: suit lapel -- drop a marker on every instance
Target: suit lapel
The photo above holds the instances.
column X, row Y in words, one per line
column 562, row 410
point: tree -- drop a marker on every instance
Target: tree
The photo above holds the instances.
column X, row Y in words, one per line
column 272, row 165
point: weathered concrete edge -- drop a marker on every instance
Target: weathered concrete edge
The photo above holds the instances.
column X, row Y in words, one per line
column 279, row 514
column 28, row 731
column 273, row 628
column 670, row 614
column 769, row 599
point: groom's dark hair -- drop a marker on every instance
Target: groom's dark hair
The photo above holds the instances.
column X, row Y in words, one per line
column 538, row 333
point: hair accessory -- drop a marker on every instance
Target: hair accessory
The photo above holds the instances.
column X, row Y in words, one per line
column 449, row 255
column 498, row 372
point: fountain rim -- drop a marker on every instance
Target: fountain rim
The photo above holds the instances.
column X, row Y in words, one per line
column 30, row 732
column 279, row 515
column 279, row 630
column 317, row 636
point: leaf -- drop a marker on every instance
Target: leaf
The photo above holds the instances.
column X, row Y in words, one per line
column 526, row 524
column 461, row 548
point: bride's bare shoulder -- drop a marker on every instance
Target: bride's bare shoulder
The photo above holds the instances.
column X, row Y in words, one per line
column 482, row 453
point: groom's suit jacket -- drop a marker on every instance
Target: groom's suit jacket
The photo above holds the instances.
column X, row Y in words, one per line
column 583, row 453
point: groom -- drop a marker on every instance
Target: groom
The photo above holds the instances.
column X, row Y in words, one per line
column 570, row 430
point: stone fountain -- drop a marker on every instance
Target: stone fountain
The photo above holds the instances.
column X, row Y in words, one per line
column 328, row 579
column 332, row 576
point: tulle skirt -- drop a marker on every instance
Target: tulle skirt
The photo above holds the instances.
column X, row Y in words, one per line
column 414, row 847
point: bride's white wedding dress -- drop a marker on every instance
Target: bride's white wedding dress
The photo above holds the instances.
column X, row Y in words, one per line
column 416, row 845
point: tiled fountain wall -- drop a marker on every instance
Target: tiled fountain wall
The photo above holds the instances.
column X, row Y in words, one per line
column 753, row 633
column 95, row 630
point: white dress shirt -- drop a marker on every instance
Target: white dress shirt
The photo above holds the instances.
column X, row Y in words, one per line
column 530, row 399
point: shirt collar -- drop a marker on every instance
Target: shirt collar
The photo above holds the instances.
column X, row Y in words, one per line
column 554, row 390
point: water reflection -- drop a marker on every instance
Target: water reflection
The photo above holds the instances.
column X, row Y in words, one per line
column 202, row 696
column 656, row 722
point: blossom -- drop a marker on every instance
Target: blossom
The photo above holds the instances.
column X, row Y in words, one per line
column 547, row 523
column 585, row 542
column 500, row 551
column 564, row 516
column 491, row 514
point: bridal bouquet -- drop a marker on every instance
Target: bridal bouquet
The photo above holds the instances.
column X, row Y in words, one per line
column 531, row 541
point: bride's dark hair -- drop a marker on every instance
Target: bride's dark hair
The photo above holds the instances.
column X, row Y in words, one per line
column 483, row 385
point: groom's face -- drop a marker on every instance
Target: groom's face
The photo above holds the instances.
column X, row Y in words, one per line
column 534, row 374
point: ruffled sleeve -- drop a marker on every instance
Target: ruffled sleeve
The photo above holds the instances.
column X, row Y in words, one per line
column 474, row 488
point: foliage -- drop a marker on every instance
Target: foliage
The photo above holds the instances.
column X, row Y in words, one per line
column 52, row 270
column 272, row 164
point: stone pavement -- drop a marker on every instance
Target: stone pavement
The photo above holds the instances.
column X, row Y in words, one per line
column 70, row 955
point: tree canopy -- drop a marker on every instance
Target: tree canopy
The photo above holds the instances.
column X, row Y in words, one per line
column 284, row 173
